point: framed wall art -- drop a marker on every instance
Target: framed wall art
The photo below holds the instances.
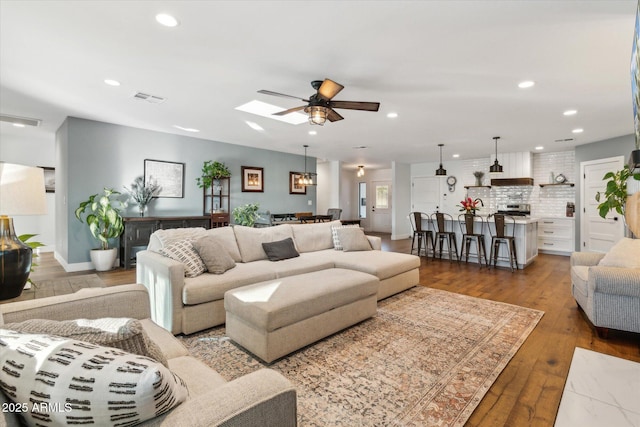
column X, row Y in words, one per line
column 252, row 179
column 294, row 185
column 168, row 175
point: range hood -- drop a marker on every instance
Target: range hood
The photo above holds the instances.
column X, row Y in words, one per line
column 511, row 181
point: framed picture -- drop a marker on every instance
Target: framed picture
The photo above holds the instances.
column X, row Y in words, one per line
column 168, row 175
column 294, row 186
column 252, row 179
column 49, row 179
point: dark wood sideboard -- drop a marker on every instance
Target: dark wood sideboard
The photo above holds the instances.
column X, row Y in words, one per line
column 138, row 230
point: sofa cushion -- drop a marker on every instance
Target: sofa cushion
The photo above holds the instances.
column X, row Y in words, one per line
column 184, row 252
column 334, row 234
column 227, row 238
column 199, row 376
column 624, row 254
column 118, row 332
column 381, row 264
column 353, row 239
column 280, row 250
column 277, row 303
column 213, row 254
column 305, row 263
column 314, row 237
column 250, row 239
column 162, row 238
column 86, row 383
column 171, row 347
column 211, row 287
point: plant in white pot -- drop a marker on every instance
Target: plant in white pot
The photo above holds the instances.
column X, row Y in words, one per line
column 105, row 222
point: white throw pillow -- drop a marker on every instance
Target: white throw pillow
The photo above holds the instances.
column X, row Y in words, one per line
column 63, row 381
column 184, row 252
column 336, row 238
column 624, row 254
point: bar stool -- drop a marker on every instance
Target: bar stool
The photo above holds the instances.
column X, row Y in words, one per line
column 421, row 233
column 445, row 233
column 501, row 235
column 468, row 223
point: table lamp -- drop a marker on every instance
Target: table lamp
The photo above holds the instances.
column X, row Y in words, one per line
column 21, row 193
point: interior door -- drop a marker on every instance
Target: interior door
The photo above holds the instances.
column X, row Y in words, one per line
column 381, row 206
column 598, row 234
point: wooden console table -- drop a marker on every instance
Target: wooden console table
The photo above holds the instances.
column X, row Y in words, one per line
column 138, row 230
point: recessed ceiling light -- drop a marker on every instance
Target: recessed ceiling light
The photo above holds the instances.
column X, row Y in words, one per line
column 254, row 125
column 112, row 82
column 392, row 115
column 186, row 129
column 570, row 112
column 579, row 130
column 539, row 147
column 455, row 156
column 266, row 110
column 166, row 20
column 359, row 147
column 526, row 84
column 313, row 132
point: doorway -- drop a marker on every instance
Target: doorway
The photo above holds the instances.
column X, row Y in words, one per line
column 381, row 206
column 598, row 234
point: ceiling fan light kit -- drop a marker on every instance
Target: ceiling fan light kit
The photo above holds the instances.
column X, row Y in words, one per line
column 441, row 171
column 317, row 115
column 496, row 168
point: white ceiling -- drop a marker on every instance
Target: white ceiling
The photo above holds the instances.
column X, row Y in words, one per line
column 448, row 68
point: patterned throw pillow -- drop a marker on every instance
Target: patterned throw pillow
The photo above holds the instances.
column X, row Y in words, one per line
column 334, row 233
column 184, row 252
column 123, row 333
column 63, row 381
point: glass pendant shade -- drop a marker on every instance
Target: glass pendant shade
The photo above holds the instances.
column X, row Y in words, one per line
column 317, row 115
column 441, row 171
column 360, row 173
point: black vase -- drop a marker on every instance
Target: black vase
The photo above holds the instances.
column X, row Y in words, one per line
column 15, row 261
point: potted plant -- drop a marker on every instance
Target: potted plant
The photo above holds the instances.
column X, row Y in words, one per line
column 246, row 214
column 105, row 222
column 615, row 195
column 212, row 171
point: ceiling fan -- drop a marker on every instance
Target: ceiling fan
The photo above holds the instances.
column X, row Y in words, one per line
column 320, row 106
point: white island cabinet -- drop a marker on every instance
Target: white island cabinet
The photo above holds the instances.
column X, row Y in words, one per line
column 556, row 235
column 526, row 236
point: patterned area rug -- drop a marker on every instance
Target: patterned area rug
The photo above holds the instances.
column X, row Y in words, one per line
column 426, row 359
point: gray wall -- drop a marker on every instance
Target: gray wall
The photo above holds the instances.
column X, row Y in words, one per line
column 620, row 146
column 94, row 155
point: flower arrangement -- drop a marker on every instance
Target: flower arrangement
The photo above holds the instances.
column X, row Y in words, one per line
column 470, row 205
column 142, row 193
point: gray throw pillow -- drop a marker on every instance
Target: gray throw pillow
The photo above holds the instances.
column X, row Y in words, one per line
column 353, row 239
column 282, row 249
column 214, row 255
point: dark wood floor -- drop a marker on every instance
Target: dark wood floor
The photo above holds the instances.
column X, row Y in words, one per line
column 528, row 391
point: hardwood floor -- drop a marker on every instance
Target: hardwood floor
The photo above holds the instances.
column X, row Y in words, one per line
column 528, row 391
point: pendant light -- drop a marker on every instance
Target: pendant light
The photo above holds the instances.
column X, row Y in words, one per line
column 496, row 167
column 441, row 171
column 307, row 178
column 360, row 173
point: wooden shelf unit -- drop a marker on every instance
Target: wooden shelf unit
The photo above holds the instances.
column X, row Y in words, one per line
column 570, row 184
column 476, row 186
column 215, row 202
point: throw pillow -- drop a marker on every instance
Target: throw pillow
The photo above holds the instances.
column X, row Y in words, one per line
column 624, row 254
column 214, row 255
column 334, row 233
column 123, row 333
column 282, row 249
column 65, row 381
column 353, row 239
column 184, row 252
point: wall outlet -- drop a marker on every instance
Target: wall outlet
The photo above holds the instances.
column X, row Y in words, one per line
column 309, row 202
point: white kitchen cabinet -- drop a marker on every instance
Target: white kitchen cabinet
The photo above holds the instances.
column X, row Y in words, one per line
column 556, row 235
column 515, row 165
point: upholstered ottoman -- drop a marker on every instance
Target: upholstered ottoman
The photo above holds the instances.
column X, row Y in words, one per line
column 273, row 318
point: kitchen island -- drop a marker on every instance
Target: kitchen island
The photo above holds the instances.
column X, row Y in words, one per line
column 526, row 237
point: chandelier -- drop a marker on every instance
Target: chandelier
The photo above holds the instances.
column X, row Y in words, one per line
column 307, row 178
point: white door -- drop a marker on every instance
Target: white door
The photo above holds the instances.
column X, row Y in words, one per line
column 425, row 194
column 598, row 234
column 380, row 206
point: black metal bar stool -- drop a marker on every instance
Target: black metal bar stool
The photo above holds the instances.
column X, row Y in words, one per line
column 421, row 233
column 469, row 223
column 502, row 223
column 445, row 233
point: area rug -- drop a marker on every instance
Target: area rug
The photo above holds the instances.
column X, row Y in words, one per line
column 426, row 359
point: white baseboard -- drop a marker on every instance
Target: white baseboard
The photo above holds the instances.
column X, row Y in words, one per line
column 71, row 268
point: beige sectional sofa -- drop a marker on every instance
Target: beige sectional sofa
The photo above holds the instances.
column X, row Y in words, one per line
column 262, row 398
column 190, row 304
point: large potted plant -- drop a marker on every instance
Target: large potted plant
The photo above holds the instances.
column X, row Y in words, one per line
column 102, row 216
column 614, row 198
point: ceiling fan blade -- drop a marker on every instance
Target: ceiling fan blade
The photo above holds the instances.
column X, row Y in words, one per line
column 328, row 89
column 269, row 92
column 354, row 105
column 290, row 110
column 333, row 116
